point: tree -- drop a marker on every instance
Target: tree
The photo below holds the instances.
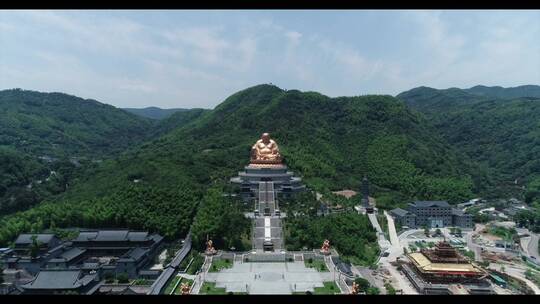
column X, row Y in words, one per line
column 373, row 291
column 363, row 284
column 390, row 289
column 34, row 247
column 123, row 278
column 426, row 231
column 109, row 277
column 438, row 231
column 458, row 232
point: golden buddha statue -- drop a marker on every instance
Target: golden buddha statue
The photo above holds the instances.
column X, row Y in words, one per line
column 265, row 151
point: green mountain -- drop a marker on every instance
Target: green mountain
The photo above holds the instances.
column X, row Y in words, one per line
column 47, row 136
column 154, row 112
column 177, row 120
column 500, row 134
column 57, row 124
column 331, row 142
column 506, row 93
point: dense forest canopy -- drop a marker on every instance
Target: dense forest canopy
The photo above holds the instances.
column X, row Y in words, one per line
column 497, row 128
column 57, row 124
column 48, row 140
column 154, row 112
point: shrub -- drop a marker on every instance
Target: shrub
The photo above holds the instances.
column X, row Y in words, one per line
column 109, row 277
column 123, row 278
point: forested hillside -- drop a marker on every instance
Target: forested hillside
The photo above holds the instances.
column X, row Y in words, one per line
column 47, row 136
column 500, row 134
column 153, row 112
column 506, row 93
column 331, row 142
column 57, row 124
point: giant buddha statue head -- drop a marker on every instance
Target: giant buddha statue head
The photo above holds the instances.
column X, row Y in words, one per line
column 265, row 151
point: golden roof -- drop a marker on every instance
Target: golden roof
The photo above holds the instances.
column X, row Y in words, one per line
column 423, row 263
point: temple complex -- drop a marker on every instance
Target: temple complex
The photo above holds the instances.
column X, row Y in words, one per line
column 433, row 271
column 266, row 167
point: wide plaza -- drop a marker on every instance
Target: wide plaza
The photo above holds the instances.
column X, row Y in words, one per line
column 270, row 278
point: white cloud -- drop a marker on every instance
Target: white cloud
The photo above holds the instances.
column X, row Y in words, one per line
column 127, row 60
column 294, row 37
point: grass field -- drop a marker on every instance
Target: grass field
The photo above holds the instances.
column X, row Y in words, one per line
column 218, row 265
column 329, row 288
column 209, row 288
column 317, row 264
column 171, row 285
column 178, row 290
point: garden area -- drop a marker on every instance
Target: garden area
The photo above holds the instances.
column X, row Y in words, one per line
column 121, row 278
column 320, row 265
column 209, row 288
column 349, row 233
column 533, row 276
column 220, row 264
column 328, row 288
column 174, row 287
column 192, row 263
column 504, row 233
column 364, row 287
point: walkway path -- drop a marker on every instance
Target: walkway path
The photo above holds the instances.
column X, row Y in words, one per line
column 336, row 275
column 381, row 238
column 472, row 246
column 394, row 240
column 201, row 275
column 532, row 248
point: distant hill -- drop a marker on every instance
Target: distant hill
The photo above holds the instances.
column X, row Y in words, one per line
column 427, row 99
column 154, row 112
column 494, row 126
column 46, row 136
column 506, row 93
column 177, row 120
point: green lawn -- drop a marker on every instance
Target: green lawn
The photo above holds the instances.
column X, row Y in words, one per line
column 504, row 233
column 178, row 290
column 329, row 288
column 171, row 285
column 317, row 264
column 197, row 263
column 218, row 265
column 209, row 288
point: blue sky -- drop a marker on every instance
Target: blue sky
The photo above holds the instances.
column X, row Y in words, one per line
column 198, row 58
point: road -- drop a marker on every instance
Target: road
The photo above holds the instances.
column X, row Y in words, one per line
column 532, row 248
column 394, row 240
column 395, row 251
column 472, row 246
column 517, row 272
column 383, row 242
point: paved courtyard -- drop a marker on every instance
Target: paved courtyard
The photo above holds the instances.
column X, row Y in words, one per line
column 269, row 278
